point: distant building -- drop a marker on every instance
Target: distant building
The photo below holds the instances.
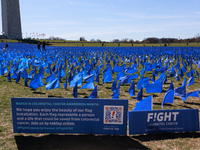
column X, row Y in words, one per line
column 11, row 22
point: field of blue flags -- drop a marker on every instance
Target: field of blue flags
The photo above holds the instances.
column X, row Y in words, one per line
column 140, row 74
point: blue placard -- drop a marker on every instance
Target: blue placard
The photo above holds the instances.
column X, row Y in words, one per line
column 83, row 116
column 158, row 121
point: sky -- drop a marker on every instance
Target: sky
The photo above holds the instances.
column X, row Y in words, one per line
column 110, row 19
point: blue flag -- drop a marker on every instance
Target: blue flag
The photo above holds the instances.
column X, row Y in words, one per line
column 154, row 88
column 65, row 84
column 153, row 78
column 177, row 77
column 171, row 87
column 51, row 78
column 120, row 74
column 184, row 82
column 142, row 83
column 18, row 78
column 115, row 95
column 76, row 78
column 191, row 81
column 139, row 96
column 97, row 78
column 193, row 94
column 124, row 80
column 145, row 104
column 36, row 82
column 53, row 85
column 197, row 74
column 181, row 91
column 89, row 85
column 94, row 93
column 89, row 78
column 107, row 78
column 117, row 69
column 168, row 98
column 9, row 77
column 14, row 76
column 75, row 90
column 131, row 90
column 131, row 70
column 114, row 84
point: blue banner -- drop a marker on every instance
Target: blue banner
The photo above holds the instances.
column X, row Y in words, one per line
column 82, row 116
column 158, row 121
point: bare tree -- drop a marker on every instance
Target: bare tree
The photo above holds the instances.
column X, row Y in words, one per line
column 115, row 41
column 197, row 37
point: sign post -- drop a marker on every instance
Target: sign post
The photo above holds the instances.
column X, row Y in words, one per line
column 158, row 121
column 82, row 116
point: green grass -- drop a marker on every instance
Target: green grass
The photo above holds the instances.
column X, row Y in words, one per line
column 8, row 41
column 9, row 140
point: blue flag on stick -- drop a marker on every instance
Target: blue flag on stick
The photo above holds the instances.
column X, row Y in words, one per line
column 177, row 77
column 193, row 94
column 191, row 81
column 97, row 78
column 139, row 96
column 114, row 86
column 36, row 82
column 154, row 88
column 120, row 74
column 124, row 80
column 18, row 78
column 115, row 95
column 65, row 84
column 75, row 90
column 89, row 85
column 145, row 104
column 168, row 98
column 89, row 78
column 51, row 78
column 184, row 82
column 94, row 93
column 131, row 90
column 197, row 74
column 107, row 78
column 181, row 91
column 9, row 77
column 171, row 87
column 53, row 85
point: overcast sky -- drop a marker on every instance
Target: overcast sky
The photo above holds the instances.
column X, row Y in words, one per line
column 110, row 19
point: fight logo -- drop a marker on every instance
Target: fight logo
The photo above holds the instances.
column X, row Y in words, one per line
column 113, row 114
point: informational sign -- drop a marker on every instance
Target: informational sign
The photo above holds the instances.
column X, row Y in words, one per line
column 84, row 116
column 158, row 121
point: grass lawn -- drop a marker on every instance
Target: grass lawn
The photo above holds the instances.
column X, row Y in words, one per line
column 9, row 140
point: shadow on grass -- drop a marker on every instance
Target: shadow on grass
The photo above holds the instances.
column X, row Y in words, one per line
column 164, row 136
column 166, row 104
column 38, row 93
column 81, row 93
column 56, row 96
column 192, row 103
column 76, row 142
column 167, row 83
column 155, row 95
column 185, row 107
column 108, row 87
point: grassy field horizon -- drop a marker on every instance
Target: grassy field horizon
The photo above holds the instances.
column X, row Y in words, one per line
column 71, row 43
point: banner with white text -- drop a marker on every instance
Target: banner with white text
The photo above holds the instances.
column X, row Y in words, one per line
column 158, row 121
column 82, row 116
